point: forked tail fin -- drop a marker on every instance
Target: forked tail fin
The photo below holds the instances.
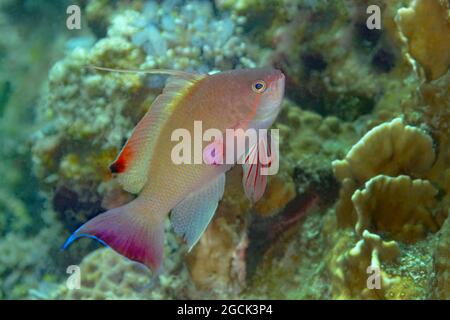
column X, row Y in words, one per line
column 126, row 232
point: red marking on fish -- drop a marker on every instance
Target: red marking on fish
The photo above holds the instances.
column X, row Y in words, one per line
column 121, row 164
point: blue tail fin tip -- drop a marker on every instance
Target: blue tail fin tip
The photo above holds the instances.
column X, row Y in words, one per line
column 75, row 236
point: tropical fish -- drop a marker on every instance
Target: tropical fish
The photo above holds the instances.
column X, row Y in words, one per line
column 237, row 99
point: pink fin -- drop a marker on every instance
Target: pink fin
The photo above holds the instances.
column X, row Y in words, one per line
column 256, row 167
column 128, row 234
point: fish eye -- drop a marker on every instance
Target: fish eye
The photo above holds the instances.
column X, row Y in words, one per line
column 259, row 86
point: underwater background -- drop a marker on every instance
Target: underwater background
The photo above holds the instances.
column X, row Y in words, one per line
column 364, row 176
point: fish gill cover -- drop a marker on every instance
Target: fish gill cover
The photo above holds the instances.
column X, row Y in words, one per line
column 363, row 186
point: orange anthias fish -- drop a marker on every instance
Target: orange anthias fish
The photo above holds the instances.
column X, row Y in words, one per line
column 238, row 99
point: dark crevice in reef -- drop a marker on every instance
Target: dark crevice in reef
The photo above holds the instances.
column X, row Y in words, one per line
column 322, row 191
column 364, row 37
column 383, row 60
column 75, row 209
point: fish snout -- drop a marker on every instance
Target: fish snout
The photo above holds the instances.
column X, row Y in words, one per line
column 279, row 84
column 276, row 76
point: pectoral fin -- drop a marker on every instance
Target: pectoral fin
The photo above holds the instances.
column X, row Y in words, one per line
column 192, row 215
column 257, row 165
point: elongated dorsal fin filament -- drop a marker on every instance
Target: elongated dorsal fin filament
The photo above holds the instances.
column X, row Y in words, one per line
column 176, row 73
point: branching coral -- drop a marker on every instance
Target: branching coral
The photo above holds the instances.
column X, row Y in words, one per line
column 187, row 37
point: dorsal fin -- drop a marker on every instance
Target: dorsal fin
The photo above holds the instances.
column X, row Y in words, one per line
column 175, row 73
column 131, row 165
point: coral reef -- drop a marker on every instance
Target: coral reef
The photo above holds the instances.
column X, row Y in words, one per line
column 428, row 39
column 24, row 61
column 378, row 100
column 221, row 240
column 104, row 274
column 323, row 46
column 375, row 228
column 14, row 214
column 381, row 205
column 442, row 264
column 349, row 269
column 28, row 235
column 390, row 149
column 378, row 199
column 28, row 260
